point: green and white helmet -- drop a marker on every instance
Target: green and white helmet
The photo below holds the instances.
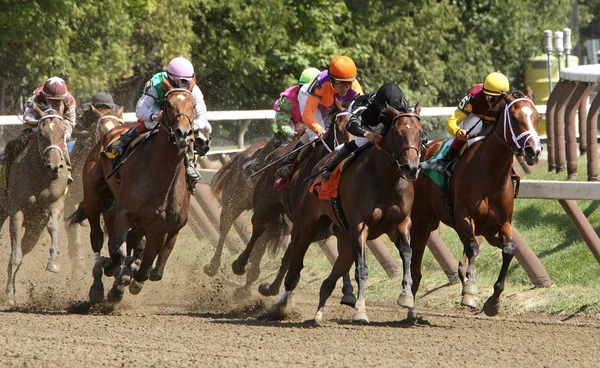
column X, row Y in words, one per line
column 308, row 75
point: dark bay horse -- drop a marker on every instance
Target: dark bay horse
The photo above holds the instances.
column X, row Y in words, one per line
column 272, row 207
column 482, row 196
column 105, row 120
column 376, row 193
column 151, row 196
column 37, row 183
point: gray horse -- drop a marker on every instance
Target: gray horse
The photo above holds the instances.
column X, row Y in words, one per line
column 34, row 198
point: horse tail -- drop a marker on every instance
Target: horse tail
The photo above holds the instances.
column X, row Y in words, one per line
column 220, row 178
column 78, row 216
column 276, row 234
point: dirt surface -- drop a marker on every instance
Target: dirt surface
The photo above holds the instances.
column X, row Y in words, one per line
column 190, row 320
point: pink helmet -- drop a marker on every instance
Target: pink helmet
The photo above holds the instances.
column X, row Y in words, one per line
column 180, row 67
column 55, row 88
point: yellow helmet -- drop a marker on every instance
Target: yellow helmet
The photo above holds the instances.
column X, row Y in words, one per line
column 495, row 84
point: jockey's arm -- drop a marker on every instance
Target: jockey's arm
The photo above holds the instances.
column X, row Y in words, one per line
column 145, row 108
column 200, row 118
column 70, row 115
column 308, row 115
column 452, row 123
column 355, row 123
column 283, row 118
column 29, row 115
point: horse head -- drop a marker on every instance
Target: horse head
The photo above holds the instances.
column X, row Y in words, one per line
column 336, row 132
column 404, row 140
column 107, row 120
column 178, row 114
column 519, row 125
column 51, row 138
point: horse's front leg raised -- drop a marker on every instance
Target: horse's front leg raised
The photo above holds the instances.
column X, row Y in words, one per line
column 56, row 209
column 406, row 298
column 492, row 304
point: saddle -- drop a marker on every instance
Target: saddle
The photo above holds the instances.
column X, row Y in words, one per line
column 116, row 159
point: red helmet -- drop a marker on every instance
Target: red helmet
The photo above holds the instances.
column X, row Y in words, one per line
column 55, row 88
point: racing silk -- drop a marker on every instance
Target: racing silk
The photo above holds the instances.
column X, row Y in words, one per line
column 69, row 114
column 473, row 103
column 287, row 110
column 153, row 100
column 322, row 96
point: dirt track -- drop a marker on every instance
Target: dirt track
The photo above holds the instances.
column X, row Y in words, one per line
column 186, row 320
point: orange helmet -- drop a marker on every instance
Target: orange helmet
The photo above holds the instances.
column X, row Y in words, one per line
column 342, row 68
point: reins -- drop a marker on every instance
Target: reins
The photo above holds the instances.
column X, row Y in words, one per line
column 52, row 146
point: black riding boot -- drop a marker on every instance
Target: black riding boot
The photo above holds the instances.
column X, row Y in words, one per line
column 340, row 155
column 285, row 170
column 445, row 165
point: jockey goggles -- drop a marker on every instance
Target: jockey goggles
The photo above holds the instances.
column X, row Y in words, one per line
column 180, row 82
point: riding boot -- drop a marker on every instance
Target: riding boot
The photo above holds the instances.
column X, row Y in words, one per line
column 340, row 155
column 285, row 170
column 445, row 164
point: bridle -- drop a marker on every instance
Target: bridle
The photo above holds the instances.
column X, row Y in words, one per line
column 166, row 123
column 52, row 146
column 507, row 123
column 395, row 156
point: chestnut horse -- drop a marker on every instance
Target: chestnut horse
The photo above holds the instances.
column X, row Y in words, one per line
column 106, row 119
column 272, row 207
column 151, row 197
column 37, row 183
column 376, row 194
column 481, row 194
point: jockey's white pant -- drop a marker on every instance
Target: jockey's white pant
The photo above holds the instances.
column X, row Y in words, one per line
column 309, row 135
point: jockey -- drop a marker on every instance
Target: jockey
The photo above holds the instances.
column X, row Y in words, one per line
column 337, row 85
column 52, row 95
column 180, row 73
column 101, row 100
column 363, row 122
column 479, row 105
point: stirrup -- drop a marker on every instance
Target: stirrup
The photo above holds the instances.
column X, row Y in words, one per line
column 192, row 174
column 284, row 171
column 444, row 168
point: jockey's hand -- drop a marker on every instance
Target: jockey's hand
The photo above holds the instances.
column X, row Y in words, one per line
column 157, row 117
column 321, row 133
column 374, row 138
column 461, row 135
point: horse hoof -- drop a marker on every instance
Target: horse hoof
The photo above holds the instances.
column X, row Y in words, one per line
column 277, row 313
column 406, row 301
column 349, row 300
column 155, row 276
column 265, row 290
column 237, row 268
column 360, row 317
column 125, row 280
column 469, row 300
column 53, row 267
column 470, row 288
column 319, row 318
column 491, row 307
column 96, row 293
column 114, row 296
column 411, row 316
column 210, row 271
column 135, row 287
column 135, row 265
column 110, row 269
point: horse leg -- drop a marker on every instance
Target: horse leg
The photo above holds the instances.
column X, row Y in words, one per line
column 135, row 246
column 73, row 238
column 156, row 274
column 341, row 267
column 56, row 210
column 228, row 216
column 118, row 253
column 418, row 242
column 96, row 293
column 492, row 304
column 272, row 289
column 348, row 297
column 406, row 298
column 258, row 228
column 468, row 276
column 359, row 243
column 162, row 243
column 253, row 274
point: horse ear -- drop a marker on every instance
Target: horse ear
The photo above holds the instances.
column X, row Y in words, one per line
column 38, row 110
column 120, row 112
column 167, row 84
column 192, row 84
column 418, row 108
column 95, row 110
column 529, row 93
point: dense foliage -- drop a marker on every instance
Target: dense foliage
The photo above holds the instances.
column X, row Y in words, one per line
column 246, row 52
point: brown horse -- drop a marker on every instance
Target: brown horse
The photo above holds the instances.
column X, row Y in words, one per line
column 106, row 119
column 376, row 194
column 35, row 197
column 482, row 196
column 272, row 207
column 151, row 197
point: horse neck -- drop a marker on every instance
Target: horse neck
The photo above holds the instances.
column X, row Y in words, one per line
column 384, row 171
column 496, row 156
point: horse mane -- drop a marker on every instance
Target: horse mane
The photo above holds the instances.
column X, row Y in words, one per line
column 388, row 114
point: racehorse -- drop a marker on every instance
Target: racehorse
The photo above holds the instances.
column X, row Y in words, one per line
column 36, row 184
column 151, row 197
column 105, row 120
column 481, row 196
column 271, row 207
column 376, row 195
